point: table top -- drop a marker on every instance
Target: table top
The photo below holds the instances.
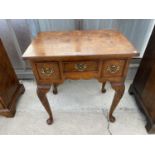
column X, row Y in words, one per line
column 79, row 43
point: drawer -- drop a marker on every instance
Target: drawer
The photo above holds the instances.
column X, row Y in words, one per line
column 80, row 66
column 113, row 68
column 48, row 70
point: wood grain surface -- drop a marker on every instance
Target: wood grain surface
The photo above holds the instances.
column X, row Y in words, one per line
column 79, row 43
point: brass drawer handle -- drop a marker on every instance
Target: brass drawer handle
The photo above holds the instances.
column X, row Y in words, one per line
column 113, row 68
column 47, row 71
column 80, row 67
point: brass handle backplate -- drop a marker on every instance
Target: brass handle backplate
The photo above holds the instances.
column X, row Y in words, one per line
column 47, row 71
column 113, row 68
column 80, row 67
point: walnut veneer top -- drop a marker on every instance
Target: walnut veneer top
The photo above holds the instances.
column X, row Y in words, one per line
column 79, row 43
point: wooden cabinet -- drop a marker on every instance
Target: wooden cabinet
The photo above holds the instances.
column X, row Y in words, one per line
column 10, row 88
column 143, row 86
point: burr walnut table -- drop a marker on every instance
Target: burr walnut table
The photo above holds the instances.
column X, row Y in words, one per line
column 100, row 54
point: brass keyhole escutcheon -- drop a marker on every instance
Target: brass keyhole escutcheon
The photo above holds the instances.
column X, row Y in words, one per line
column 47, row 71
column 80, row 67
column 113, row 68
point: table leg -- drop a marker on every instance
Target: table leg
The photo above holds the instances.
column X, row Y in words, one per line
column 41, row 92
column 55, row 90
column 103, row 90
column 119, row 90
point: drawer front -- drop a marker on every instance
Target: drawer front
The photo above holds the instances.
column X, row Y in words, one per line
column 113, row 68
column 80, row 66
column 48, row 70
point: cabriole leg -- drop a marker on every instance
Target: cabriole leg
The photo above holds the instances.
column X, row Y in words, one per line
column 55, row 90
column 41, row 92
column 103, row 90
column 119, row 90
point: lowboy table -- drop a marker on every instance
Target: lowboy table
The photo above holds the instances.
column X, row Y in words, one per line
column 100, row 54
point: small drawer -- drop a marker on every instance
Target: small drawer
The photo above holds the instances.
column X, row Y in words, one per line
column 113, row 68
column 80, row 66
column 48, row 70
